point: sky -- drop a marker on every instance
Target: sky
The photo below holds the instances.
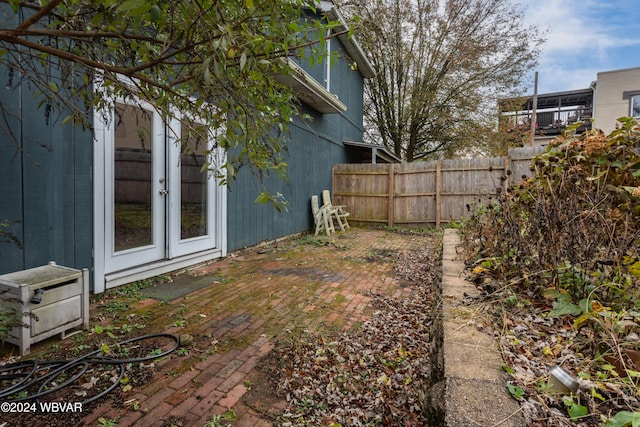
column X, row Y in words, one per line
column 584, row 37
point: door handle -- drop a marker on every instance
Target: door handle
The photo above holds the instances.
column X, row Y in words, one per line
column 164, row 192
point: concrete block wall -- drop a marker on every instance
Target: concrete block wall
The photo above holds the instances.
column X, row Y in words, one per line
column 469, row 388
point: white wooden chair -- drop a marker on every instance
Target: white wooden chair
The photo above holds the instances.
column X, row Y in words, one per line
column 335, row 211
column 321, row 218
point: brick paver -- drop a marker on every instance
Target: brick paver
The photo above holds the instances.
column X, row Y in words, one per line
column 264, row 294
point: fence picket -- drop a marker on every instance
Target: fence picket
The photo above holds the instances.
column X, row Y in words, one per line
column 426, row 193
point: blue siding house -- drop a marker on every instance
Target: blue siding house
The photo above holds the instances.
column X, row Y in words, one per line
column 108, row 204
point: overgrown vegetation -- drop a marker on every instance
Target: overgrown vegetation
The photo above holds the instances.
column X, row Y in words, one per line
column 6, row 236
column 10, row 307
column 561, row 254
column 10, row 314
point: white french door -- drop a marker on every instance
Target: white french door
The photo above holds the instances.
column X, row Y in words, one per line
column 159, row 204
column 135, row 187
column 192, row 193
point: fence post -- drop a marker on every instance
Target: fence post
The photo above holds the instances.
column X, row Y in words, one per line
column 438, row 192
column 392, row 191
column 333, row 184
column 507, row 175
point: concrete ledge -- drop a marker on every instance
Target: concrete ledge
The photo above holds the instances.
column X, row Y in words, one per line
column 468, row 383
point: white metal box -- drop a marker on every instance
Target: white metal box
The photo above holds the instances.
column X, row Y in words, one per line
column 64, row 303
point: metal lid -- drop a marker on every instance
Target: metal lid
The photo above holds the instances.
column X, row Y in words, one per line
column 562, row 381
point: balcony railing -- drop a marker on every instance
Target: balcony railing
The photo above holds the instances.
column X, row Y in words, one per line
column 555, row 121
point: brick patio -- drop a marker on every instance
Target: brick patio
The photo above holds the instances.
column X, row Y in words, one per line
column 256, row 296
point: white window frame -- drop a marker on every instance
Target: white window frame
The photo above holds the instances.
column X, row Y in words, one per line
column 634, row 101
column 103, row 280
column 176, row 245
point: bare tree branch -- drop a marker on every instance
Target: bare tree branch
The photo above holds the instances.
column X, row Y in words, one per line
column 440, row 68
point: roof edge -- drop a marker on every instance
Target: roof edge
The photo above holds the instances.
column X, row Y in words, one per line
column 350, row 43
column 309, row 90
column 381, row 150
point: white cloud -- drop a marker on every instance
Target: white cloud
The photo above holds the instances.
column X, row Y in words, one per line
column 584, row 37
column 558, row 79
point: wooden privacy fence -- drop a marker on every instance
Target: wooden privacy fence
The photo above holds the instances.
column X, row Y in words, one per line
column 426, row 193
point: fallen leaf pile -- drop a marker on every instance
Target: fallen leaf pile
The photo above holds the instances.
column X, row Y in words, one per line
column 376, row 374
column 532, row 342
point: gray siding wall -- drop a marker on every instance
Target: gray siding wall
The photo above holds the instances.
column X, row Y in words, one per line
column 314, row 147
column 310, row 158
column 45, row 184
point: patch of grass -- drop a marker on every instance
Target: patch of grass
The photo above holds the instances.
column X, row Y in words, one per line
column 217, row 420
column 380, row 255
column 183, row 309
column 107, row 422
column 420, row 231
column 113, row 307
column 132, row 290
column 238, row 341
column 180, row 323
column 338, row 300
column 311, row 240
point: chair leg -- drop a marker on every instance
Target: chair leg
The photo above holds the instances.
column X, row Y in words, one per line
column 328, row 223
column 339, row 221
column 345, row 223
column 320, row 223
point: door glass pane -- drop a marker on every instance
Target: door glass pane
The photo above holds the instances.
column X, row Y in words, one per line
column 133, row 202
column 193, row 181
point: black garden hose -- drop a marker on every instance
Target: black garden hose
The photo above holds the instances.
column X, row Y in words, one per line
column 59, row 369
column 7, row 372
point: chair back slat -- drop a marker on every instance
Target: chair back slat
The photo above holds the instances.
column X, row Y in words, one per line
column 315, row 207
column 326, row 198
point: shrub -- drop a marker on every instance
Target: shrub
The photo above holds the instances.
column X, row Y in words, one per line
column 10, row 315
column 575, row 225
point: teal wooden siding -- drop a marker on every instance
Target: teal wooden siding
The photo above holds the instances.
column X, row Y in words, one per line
column 11, row 190
column 310, row 158
column 46, row 188
column 313, row 148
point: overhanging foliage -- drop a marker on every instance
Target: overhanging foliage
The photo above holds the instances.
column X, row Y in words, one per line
column 212, row 59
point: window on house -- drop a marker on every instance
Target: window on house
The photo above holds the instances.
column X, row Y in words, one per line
column 635, row 106
column 194, row 190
